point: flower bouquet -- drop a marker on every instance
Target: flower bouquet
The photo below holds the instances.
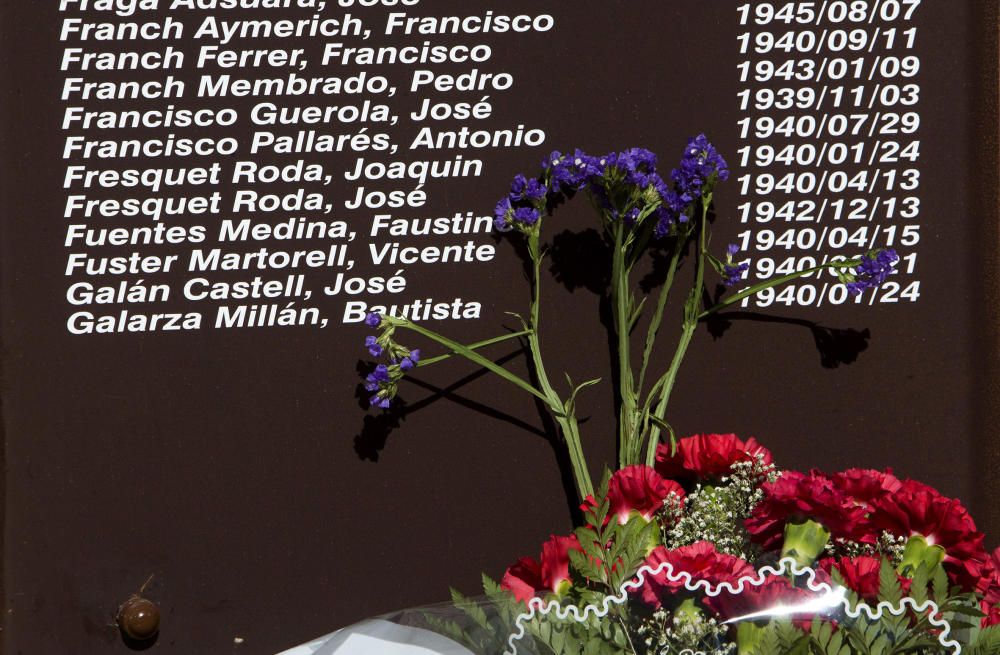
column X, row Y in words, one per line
column 698, row 544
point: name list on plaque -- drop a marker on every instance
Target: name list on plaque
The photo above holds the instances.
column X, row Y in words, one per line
column 270, row 163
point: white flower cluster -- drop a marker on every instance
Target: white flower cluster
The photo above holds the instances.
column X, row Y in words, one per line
column 889, row 545
column 717, row 513
column 683, row 633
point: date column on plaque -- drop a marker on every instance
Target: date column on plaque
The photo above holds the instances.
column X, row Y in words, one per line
column 829, row 127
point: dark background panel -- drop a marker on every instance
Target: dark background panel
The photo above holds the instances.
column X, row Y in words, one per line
column 239, row 468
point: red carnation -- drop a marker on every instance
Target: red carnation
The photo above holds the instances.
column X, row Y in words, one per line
column 861, row 575
column 528, row 577
column 637, row 488
column 707, row 456
column 991, row 587
column 866, row 485
column 917, row 509
column 992, row 615
column 523, row 579
column 795, row 497
column 701, row 560
column 775, row 591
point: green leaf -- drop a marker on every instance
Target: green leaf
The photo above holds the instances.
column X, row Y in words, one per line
column 636, row 314
column 987, row 642
column 570, row 403
column 474, row 357
column 826, row 641
column 920, row 585
column 585, row 566
column 602, row 491
column 471, row 609
column 557, row 640
column 602, row 511
column 821, row 631
column 491, row 587
column 715, row 262
column 881, row 645
column 791, row 638
column 889, row 588
column 769, row 642
column 939, row 584
column 660, row 423
column 836, row 646
column 588, row 537
column 774, row 282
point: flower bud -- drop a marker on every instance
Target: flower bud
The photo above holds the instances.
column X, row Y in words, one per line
column 918, row 552
column 689, row 612
column 804, row 542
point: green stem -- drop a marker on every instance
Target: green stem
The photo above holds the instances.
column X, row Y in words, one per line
column 567, row 422
column 667, row 388
column 657, row 320
column 691, row 317
column 757, row 288
column 474, row 346
column 640, row 422
column 625, row 630
column 469, row 354
column 623, row 316
column 665, row 384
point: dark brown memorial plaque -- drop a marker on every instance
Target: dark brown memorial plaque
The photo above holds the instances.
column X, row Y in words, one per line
column 181, row 344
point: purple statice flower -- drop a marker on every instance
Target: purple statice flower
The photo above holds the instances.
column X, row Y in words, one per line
column 520, row 207
column 377, row 377
column 535, row 190
column 638, row 166
column 572, row 172
column 373, row 320
column 526, row 215
column 522, row 189
column 380, row 401
column 620, row 183
column 665, row 219
column 379, row 382
column 563, row 175
column 874, row 269
column 551, row 160
column 383, row 381
column 703, row 154
column 500, row 215
column 732, row 273
column 699, row 167
column 670, row 213
column 640, row 157
column 518, row 186
column 410, row 361
column 373, row 346
column 587, row 168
